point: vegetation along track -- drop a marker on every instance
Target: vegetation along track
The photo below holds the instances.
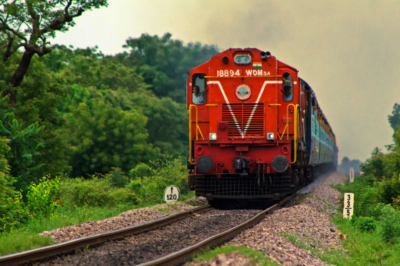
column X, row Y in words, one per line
column 167, row 241
column 49, row 252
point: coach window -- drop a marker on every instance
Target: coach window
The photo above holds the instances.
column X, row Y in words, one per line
column 199, row 89
column 287, row 84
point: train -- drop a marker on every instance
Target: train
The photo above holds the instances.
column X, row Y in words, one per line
column 256, row 130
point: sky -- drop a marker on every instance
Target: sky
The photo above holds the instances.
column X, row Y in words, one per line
column 348, row 51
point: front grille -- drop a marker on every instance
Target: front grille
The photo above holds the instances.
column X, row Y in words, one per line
column 242, row 186
column 243, row 112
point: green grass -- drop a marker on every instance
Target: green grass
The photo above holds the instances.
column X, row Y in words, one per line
column 330, row 256
column 367, row 248
column 362, row 248
column 257, row 256
column 19, row 241
column 27, row 237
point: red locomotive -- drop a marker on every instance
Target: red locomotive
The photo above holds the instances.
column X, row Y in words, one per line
column 256, row 130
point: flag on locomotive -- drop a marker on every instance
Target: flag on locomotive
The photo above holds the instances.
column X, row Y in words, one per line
column 256, row 130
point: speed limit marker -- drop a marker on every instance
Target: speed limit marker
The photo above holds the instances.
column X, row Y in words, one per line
column 171, row 194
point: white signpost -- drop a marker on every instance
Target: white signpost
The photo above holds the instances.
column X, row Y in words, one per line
column 171, row 194
column 348, row 205
column 351, row 175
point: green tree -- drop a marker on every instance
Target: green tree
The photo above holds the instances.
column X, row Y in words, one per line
column 103, row 137
column 394, row 119
column 42, row 92
column 30, row 23
column 165, row 63
column 96, row 78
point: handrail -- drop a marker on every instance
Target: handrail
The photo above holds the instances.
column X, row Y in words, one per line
column 190, row 129
column 295, row 125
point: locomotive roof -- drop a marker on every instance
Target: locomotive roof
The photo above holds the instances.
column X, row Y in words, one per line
column 256, row 52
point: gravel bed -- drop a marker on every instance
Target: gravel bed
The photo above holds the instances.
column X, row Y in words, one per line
column 129, row 218
column 308, row 221
column 234, row 259
column 200, row 201
column 160, row 242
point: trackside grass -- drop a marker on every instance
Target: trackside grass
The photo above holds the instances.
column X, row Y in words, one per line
column 28, row 237
column 258, row 257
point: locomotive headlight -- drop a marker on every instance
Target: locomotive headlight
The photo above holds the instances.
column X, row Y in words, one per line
column 213, row 136
column 270, row 136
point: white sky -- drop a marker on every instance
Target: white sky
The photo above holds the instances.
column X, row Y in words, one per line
column 348, row 51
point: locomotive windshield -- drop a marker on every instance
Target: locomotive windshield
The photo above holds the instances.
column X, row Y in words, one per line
column 199, row 89
column 242, row 59
column 287, row 82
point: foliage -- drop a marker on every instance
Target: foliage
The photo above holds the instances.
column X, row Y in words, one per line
column 95, row 78
column 12, row 213
column 165, row 172
column 364, row 224
column 364, row 248
column 25, row 145
column 93, row 192
column 141, row 170
column 102, row 137
column 117, row 177
column 42, row 198
column 29, row 23
column 164, row 62
column 79, row 113
column 37, row 103
column 20, row 241
column 396, row 202
column 394, row 119
column 390, row 221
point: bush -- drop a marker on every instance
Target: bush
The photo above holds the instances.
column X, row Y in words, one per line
column 14, row 215
column 390, row 221
column 364, row 224
column 150, row 189
column 42, row 198
column 117, row 177
column 141, row 170
column 91, row 192
column 396, row 203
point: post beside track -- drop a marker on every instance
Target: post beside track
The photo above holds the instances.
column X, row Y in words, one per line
column 72, row 245
column 179, row 257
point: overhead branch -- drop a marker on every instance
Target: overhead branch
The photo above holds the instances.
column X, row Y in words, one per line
column 36, row 50
column 10, row 50
column 8, row 28
column 67, row 7
column 58, row 23
column 35, row 19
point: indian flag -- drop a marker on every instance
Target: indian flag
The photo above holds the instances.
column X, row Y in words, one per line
column 257, row 65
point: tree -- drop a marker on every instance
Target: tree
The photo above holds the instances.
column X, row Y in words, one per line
column 30, row 23
column 165, row 63
column 394, row 119
column 103, row 137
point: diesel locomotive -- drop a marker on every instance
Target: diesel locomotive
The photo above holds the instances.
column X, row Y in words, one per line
column 256, row 130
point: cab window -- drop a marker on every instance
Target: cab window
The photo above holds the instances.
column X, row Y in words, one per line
column 199, row 88
column 287, row 85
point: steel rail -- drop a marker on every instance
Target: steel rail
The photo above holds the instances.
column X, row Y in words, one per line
column 179, row 257
column 57, row 249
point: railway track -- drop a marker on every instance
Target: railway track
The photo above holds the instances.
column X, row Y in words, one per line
column 244, row 219
column 84, row 242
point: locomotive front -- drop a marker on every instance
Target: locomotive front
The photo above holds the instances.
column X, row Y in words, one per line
column 243, row 126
